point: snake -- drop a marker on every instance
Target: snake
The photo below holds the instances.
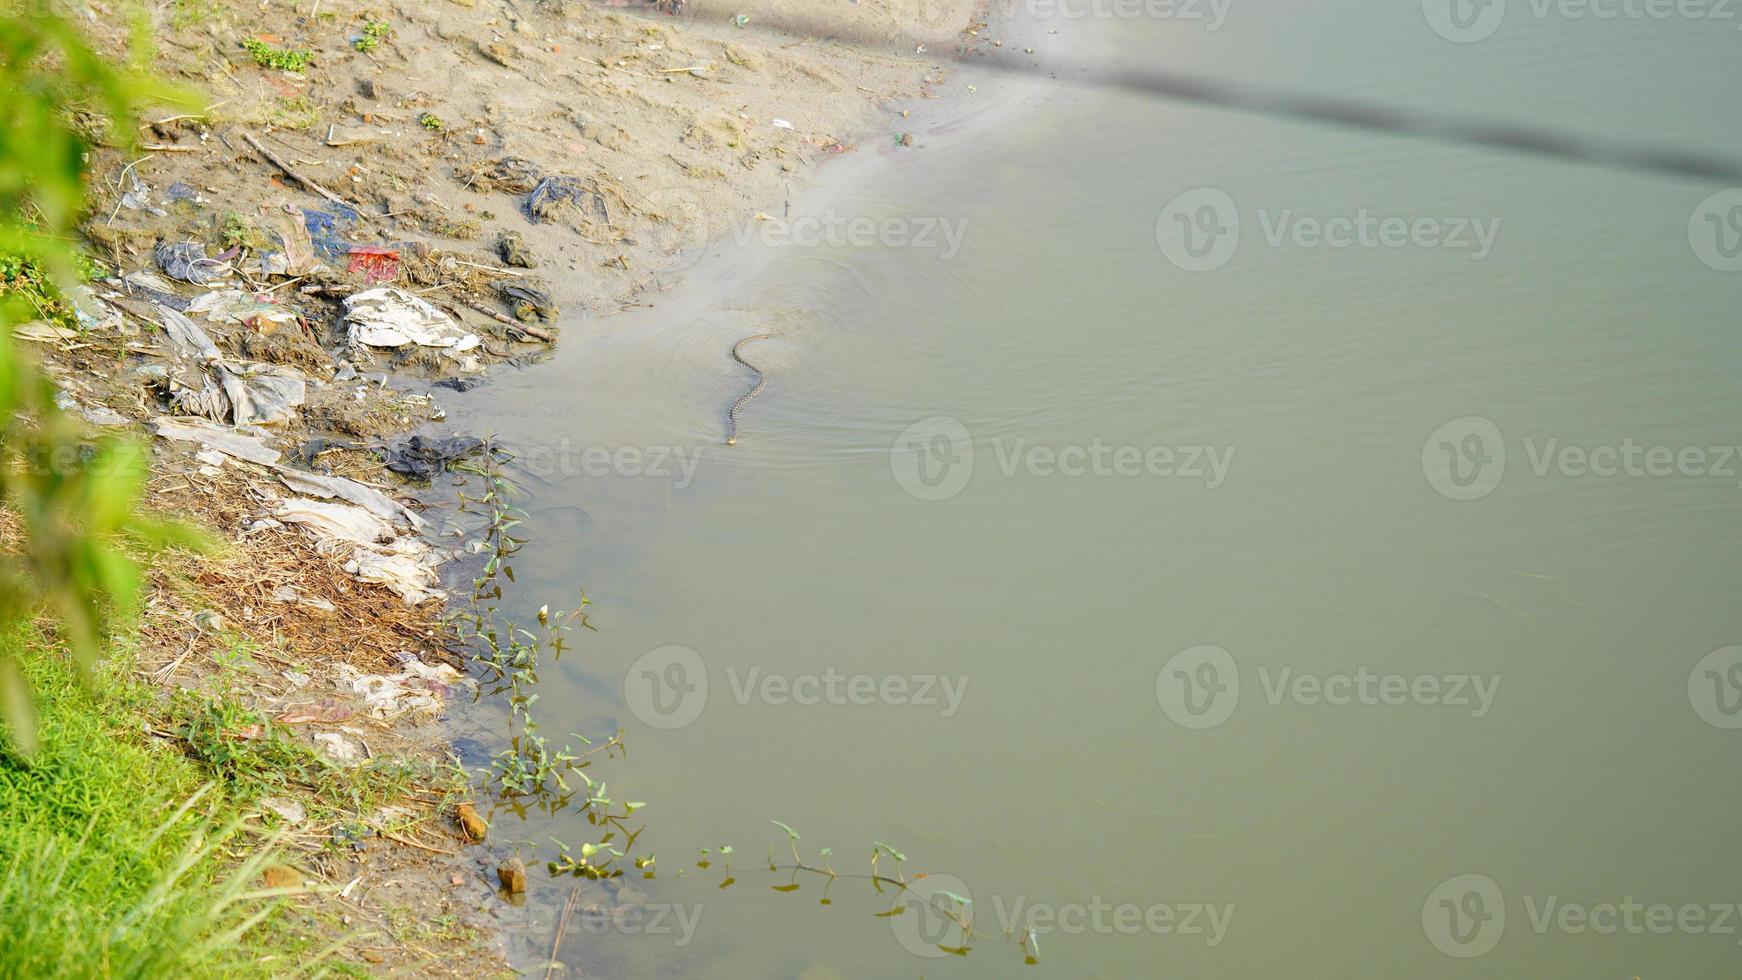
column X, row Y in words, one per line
column 761, row 383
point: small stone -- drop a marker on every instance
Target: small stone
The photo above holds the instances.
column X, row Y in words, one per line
column 472, row 825
column 280, row 876
column 497, row 52
column 457, row 880
column 513, row 876
column 367, row 87
column 371, row 956
column 514, row 251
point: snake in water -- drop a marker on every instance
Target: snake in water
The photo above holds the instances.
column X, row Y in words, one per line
column 761, row 383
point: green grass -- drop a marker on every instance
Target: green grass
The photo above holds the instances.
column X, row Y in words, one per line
column 117, row 856
column 25, row 278
column 287, row 59
column 374, row 32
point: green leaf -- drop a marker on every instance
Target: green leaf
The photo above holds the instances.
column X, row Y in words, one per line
column 789, row 831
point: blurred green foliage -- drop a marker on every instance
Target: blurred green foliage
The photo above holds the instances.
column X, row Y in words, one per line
column 74, row 498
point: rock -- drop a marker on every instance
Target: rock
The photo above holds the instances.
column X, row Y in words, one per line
column 371, row 956
column 498, row 53
column 367, row 87
column 281, row 876
column 513, row 876
column 516, row 175
column 514, row 251
column 472, row 825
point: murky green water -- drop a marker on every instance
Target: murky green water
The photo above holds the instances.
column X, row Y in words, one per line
column 982, row 639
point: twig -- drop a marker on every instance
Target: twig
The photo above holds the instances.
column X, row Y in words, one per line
column 490, row 268
column 512, row 324
column 562, row 926
column 411, row 843
column 189, row 115
column 291, row 172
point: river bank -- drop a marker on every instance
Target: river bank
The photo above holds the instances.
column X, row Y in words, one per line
column 373, row 208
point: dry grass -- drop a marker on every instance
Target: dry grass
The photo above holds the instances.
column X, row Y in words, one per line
column 368, row 626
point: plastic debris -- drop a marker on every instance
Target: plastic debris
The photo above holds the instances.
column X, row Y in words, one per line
column 179, row 191
column 297, row 254
column 227, row 441
column 418, row 687
column 286, row 593
column 148, row 285
column 326, row 230
column 137, row 197
column 350, row 491
column 92, row 312
column 552, row 195
column 290, row 810
column 43, row 333
column 402, row 563
column 248, row 309
column 188, row 336
column 389, row 317
column 187, row 261
column 338, row 747
column 376, row 263
column 102, row 415
column 262, row 394
column 244, row 392
column 421, row 458
column 514, row 251
column 782, row 124
column 529, row 302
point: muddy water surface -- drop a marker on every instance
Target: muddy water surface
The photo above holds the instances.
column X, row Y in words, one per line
column 1347, row 594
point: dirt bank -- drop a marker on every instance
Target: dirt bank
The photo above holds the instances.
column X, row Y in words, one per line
column 477, row 171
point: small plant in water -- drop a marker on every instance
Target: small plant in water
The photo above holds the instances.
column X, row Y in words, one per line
column 533, row 768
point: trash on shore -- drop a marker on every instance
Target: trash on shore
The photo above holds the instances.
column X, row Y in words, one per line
column 375, row 263
column 227, row 441
column 514, row 252
column 187, row 261
column 529, row 302
column 243, row 392
column 391, row 317
column 374, row 551
column 247, row 309
column 417, row 687
column 338, row 747
column 421, row 458
column 350, row 491
column 553, row 195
